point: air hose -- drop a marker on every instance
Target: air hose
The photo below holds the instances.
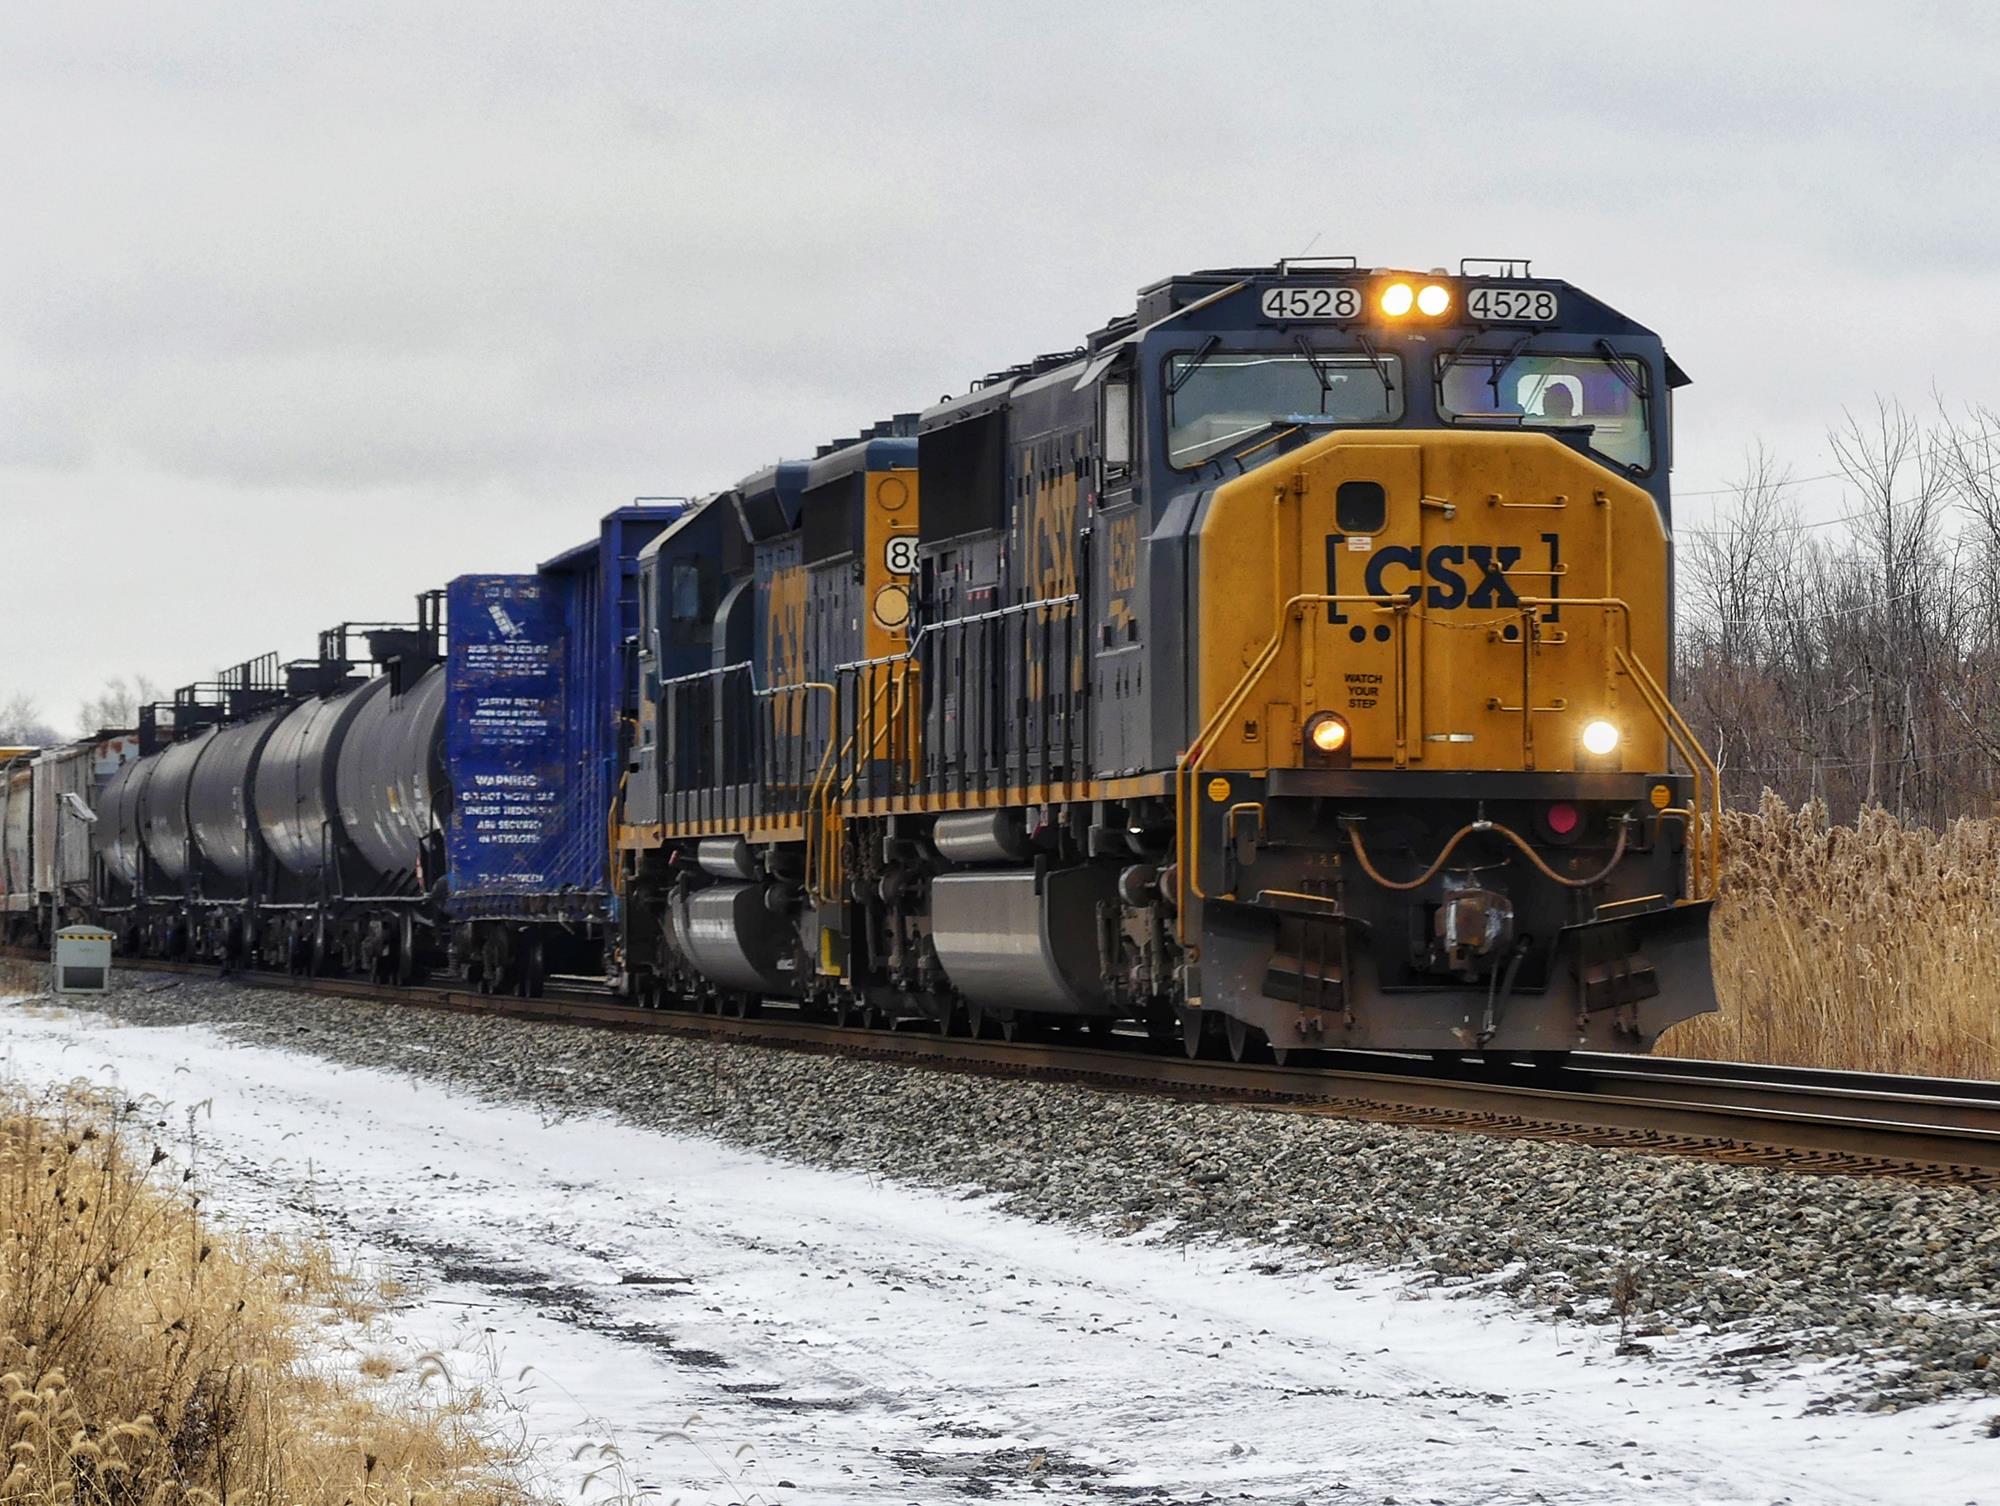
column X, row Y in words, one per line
column 1354, row 824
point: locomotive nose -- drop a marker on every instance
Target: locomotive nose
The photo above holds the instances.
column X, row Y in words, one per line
column 1445, row 600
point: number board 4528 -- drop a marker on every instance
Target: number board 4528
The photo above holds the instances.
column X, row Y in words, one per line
column 1310, row 303
column 1513, row 305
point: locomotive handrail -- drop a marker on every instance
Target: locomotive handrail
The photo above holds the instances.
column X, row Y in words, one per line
column 1704, row 846
column 1705, row 810
column 824, row 798
column 1188, row 768
column 1042, row 604
column 1065, row 609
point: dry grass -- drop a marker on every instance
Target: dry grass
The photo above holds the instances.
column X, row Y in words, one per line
column 1874, row 946
column 148, row 1356
column 20, row 978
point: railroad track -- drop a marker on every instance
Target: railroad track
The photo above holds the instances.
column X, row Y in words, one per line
column 1798, row 1119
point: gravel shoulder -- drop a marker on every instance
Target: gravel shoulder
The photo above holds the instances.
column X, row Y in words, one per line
column 1877, row 1294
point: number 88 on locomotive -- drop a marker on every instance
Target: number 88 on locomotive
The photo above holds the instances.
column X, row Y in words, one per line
column 1285, row 668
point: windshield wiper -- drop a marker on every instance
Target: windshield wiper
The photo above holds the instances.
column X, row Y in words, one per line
column 1620, row 364
column 1496, row 361
column 1194, row 364
column 1381, row 366
column 1318, row 370
column 1501, row 364
column 1457, row 354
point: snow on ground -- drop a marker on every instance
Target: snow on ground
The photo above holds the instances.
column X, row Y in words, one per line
column 872, row 1343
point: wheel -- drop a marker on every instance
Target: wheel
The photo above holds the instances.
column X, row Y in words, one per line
column 1238, row 1034
column 406, row 952
column 1193, row 1028
column 977, row 1025
column 533, row 972
column 951, row 1021
column 496, row 971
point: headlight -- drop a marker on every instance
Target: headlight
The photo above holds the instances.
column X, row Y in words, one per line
column 1397, row 299
column 1433, row 299
column 1326, row 739
column 1599, row 738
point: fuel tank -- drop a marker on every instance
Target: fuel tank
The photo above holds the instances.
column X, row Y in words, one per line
column 297, row 809
column 163, row 805
column 220, row 800
column 1009, row 940
column 389, row 771
column 730, row 934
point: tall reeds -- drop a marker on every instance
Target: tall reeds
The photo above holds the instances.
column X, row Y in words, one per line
column 1874, row 946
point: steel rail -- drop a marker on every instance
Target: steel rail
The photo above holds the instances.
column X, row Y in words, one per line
column 1803, row 1119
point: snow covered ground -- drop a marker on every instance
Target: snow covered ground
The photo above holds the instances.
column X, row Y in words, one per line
column 845, row 1340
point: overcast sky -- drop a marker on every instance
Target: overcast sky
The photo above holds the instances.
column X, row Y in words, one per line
column 304, row 309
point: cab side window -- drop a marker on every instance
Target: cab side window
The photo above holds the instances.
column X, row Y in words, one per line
column 684, row 594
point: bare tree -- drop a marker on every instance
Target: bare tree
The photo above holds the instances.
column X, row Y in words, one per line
column 1737, row 583
column 1861, row 667
column 21, row 724
column 116, row 706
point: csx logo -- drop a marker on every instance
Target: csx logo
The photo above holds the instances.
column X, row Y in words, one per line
column 1448, row 575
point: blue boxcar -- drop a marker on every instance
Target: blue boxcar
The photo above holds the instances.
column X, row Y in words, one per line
column 541, row 694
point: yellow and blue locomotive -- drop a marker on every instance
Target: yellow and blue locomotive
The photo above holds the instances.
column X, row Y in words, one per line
column 1284, row 668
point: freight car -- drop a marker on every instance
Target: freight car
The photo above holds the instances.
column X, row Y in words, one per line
column 1282, row 668
column 47, row 800
column 276, row 814
column 392, row 806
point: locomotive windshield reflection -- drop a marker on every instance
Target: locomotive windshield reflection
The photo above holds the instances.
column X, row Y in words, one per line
column 1216, row 399
column 1543, row 391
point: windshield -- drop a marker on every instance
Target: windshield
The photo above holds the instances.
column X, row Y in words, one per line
column 1214, row 400
column 1540, row 391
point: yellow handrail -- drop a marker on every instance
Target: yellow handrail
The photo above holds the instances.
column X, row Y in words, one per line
column 1704, row 848
column 823, row 869
column 1705, row 809
column 1188, row 767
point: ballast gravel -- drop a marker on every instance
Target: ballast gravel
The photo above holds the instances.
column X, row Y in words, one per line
column 1884, row 1293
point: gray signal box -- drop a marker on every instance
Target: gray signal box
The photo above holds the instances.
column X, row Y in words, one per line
column 82, row 960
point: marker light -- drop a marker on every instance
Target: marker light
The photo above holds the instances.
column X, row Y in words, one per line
column 1599, row 738
column 1329, row 734
column 1563, row 818
column 1433, row 299
column 1397, row 299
